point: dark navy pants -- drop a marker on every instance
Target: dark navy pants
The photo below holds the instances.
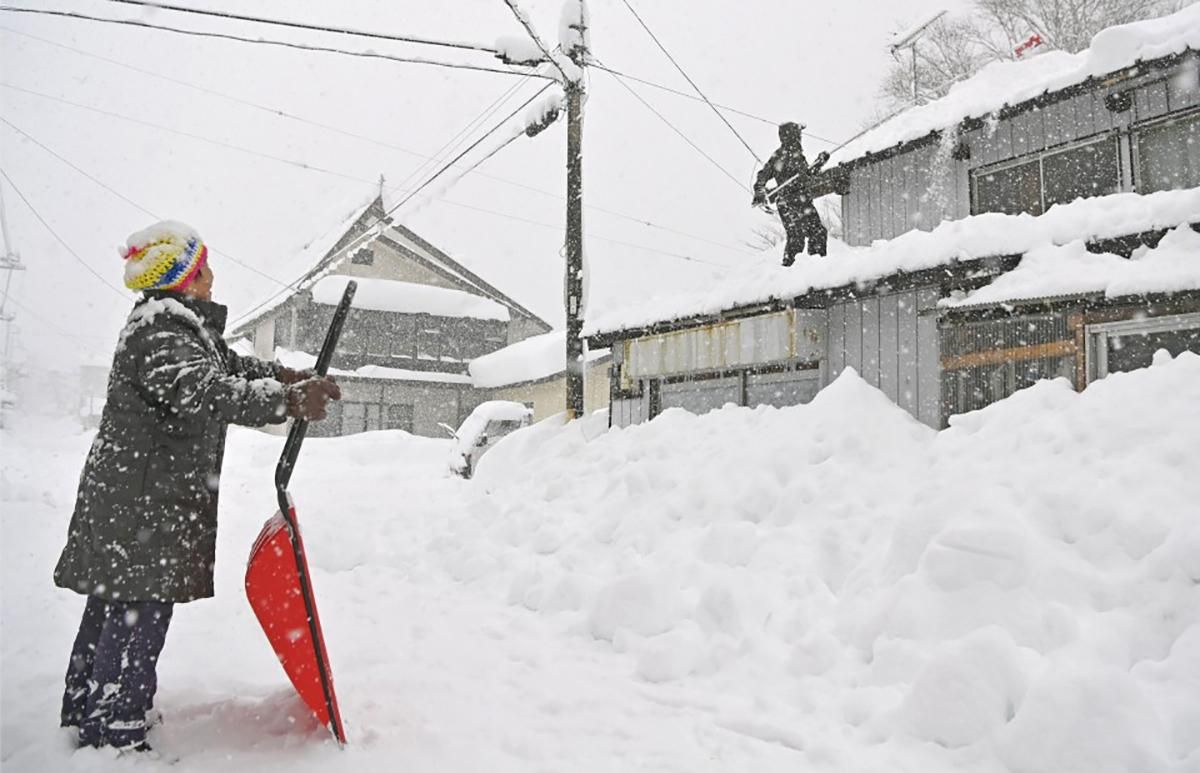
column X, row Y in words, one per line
column 112, row 676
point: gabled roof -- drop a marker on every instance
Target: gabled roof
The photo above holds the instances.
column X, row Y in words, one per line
column 1006, row 85
column 363, row 227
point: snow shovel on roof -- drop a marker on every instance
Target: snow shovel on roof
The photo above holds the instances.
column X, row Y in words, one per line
column 278, row 583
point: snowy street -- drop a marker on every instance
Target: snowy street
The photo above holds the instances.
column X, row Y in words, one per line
column 881, row 598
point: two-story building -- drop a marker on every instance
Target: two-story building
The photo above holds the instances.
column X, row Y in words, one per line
column 419, row 317
column 1038, row 221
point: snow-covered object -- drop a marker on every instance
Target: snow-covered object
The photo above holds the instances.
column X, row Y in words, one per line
column 834, row 586
column 302, row 360
column 470, row 443
column 977, row 236
column 492, row 410
column 1010, row 83
column 573, row 31
column 1171, row 266
column 409, row 298
column 544, row 111
column 535, row 358
column 518, row 49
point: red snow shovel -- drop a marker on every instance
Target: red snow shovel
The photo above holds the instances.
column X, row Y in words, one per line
column 278, row 583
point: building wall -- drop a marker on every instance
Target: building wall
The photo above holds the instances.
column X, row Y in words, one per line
column 921, row 187
column 429, row 403
column 548, row 396
column 784, row 358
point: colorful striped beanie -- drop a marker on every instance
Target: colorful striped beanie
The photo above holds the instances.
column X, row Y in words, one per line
column 165, row 256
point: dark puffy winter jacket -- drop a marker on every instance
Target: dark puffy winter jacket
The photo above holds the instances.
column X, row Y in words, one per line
column 145, row 520
column 788, row 165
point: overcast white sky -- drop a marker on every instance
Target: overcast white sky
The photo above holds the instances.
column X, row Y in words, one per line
column 818, row 63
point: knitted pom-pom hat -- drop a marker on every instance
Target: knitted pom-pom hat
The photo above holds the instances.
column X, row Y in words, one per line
column 165, row 256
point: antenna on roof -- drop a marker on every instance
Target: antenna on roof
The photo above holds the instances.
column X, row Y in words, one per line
column 381, row 181
column 908, row 39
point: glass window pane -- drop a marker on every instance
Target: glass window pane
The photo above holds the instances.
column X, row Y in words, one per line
column 1013, row 190
column 1169, row 156
column 400, row 417
column 1136, row 350
column 1088, row 170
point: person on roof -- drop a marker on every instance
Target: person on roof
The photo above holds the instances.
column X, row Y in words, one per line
column 792, row 194
column 142, row 537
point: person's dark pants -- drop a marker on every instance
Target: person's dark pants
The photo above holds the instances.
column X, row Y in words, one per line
column 801, row 223
column 112, row 677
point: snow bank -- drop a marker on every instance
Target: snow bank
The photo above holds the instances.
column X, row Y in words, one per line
column 1010, row 83
column 302, row 360
column 977, row 236
column 408, row 297
column 535, row 358
column 1019, row 592
column 1173, row 265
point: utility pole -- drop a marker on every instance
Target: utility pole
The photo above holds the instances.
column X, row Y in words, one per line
column 9, row 263
column 574, row 47
column 909, row 40
column 574, row 276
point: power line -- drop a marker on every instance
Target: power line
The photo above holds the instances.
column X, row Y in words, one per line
column 524, row 21
column 265, row 41
column 121, row 196
column 600, row 66
column 168, row 129
column 461, row 134
column 60, row 240
column 476, row 144
column 686, row 139
column 520, row 219
column 279, row 113
column 663, row 48
column 305, row 26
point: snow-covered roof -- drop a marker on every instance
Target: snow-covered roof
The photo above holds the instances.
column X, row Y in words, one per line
column 533, row 359
column 301, row 360
column 1172, row 265
column 978, row 236
column 408, row 297
column 1011, row 83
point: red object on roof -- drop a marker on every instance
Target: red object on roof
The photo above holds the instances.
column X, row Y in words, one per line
column 1031, row 43
column 278, row 585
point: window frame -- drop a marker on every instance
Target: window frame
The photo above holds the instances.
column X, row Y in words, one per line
column 1136, row 131
column 1112, row 136
column 1097, row 336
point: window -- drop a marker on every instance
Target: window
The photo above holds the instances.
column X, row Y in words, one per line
column 1056, row 177
column 400, row 417
column 1114, row 347
column 431, row 344
column 1080, row 172
column 354, row 334
column 1011, row 190
column 1169, row 156
column 403, row 342
column 364, row 257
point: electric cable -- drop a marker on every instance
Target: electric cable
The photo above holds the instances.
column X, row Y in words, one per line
column 685, row 138
column 122, row 196
column 60, row 240
column 269, row 42
column 686, row 77
column 307, row 26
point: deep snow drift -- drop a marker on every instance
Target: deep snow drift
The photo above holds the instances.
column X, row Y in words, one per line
column 829, row 587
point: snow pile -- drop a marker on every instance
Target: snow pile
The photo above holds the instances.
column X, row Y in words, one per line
column 303, row 360
column 977, row 236
column 1010, row 83
column 1019, row 592
column 533, row 359
column 1173, row 265
column 408, row 298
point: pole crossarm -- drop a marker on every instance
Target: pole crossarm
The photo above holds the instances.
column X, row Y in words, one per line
column 576, row 73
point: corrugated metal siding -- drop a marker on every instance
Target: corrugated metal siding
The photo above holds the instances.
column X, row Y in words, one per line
column 920, row 188
column 893, row 346
column 702, row 396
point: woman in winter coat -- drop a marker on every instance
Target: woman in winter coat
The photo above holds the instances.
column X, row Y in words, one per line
column 143, row 534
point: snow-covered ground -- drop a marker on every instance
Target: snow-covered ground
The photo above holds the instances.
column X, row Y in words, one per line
column 831, row 587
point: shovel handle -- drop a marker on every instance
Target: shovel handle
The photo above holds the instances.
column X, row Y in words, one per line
column 291, row 448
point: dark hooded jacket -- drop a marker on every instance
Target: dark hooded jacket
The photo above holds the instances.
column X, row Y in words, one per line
column 145, row 520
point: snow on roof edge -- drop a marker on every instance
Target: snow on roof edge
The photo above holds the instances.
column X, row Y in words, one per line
column 978, row 236
column 532, row 359
column 1003, row 84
